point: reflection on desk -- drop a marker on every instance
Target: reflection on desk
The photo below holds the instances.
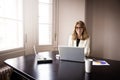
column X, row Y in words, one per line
column 66, row 71
column 27, row 67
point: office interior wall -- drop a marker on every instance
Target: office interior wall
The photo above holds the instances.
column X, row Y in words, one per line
column 70, row 11
column 103, row 21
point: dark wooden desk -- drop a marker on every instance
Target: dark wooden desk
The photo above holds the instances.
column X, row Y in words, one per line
column 62, row 70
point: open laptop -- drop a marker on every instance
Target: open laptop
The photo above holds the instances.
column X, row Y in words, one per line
column 71, row 53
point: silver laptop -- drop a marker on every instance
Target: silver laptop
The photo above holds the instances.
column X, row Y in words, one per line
column 71, row 53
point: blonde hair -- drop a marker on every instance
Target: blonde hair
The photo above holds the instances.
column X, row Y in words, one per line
column 84, row 34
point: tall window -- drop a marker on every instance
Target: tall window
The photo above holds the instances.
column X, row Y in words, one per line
column 45, row 22
column 11, row 24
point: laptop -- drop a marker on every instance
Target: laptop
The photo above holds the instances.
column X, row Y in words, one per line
column 71, row 53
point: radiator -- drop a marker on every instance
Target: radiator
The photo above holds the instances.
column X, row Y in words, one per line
column 5, row 72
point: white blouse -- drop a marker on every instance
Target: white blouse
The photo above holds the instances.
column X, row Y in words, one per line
column 83, row 44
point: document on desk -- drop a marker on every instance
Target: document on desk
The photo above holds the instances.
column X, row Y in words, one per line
column 100, row 63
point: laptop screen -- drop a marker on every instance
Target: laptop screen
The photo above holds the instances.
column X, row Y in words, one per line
column 71, row 53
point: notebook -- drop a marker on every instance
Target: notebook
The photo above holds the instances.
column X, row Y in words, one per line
column 42, row 57
column 71, row 53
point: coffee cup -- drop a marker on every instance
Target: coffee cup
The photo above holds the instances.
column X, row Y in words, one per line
column 88, row 65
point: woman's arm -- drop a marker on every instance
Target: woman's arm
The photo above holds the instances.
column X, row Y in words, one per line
column 87, row 48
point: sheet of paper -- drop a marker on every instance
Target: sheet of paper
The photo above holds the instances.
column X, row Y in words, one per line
column 100, row 62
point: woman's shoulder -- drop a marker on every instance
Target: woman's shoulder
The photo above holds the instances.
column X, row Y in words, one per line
column 87, row 39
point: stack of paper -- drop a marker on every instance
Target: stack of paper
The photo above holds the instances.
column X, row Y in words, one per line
column 100, row 62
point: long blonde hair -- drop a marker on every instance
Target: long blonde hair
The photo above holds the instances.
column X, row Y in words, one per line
column 84, row 34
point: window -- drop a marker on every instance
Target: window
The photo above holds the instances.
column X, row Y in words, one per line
column 45, row 22
column 11, row 24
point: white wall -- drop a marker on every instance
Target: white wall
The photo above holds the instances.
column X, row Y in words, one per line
column 70, row 11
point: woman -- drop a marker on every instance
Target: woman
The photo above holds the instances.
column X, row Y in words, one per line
column 80, row 38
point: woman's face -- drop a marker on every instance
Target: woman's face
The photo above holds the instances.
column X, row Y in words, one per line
column 79, row 29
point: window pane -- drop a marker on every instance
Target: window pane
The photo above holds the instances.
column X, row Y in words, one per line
column 45, row 22
column 11, row 24
column 45, row 13
column 46, row 1
column 11, row 34
column 11, row 9
column 45, row 34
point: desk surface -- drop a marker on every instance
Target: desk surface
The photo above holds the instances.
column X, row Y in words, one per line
column 62, row 70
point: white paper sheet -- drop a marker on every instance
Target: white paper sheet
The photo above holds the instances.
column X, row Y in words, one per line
column 100, row 62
